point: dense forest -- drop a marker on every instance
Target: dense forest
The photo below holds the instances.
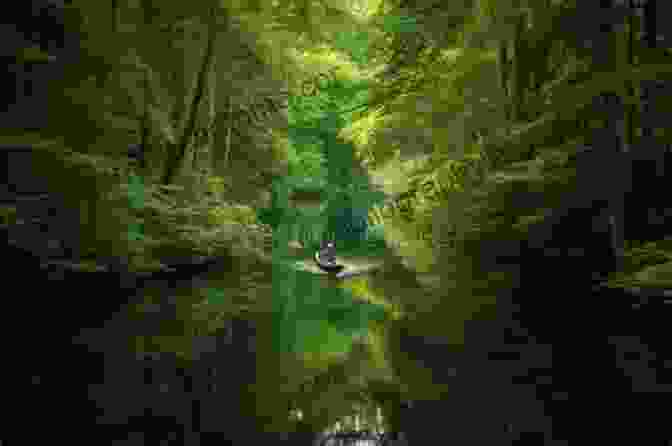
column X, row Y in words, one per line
column 492, row 173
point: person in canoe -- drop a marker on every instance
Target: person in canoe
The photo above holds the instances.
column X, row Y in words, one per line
column 325, row 258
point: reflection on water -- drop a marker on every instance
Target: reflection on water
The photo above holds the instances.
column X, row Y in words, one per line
column 358, row 442
column 364, row 439
column 314, row 311
column 317, row 316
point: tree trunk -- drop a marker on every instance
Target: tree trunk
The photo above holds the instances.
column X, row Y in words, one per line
column 516, row 86
column 631, row 29
column 611, row 137
column 650, row 121
column 115, row 16
column 145, row 130
column 178, row 151
column 229, row 129
column 503, row 66
column 212, row 115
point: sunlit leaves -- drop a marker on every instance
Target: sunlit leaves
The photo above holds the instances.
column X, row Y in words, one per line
column 233, row 213
column 311, row 164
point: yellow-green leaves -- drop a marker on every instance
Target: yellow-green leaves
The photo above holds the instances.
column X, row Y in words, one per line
column 218, row 185
column 233, row 213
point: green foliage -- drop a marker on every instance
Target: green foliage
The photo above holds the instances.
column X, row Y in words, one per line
column 314, row 319
column 355, row 44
